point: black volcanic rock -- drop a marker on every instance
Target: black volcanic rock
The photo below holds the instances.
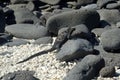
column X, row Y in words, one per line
column 103, row 3
column 111, row 59
column 74, row 49
column 72, row 18
column 27, row 31
column 110, row 40
column 81, row 31
column 85, row 2
column 43, row 40
column 86, row 69
column 108, row 71
column 109, row 16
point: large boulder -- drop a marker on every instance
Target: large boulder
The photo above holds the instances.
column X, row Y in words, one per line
column 74, row 49
column 86, row 69
column 27, row 31
column 111, row 59
column 110, row 40
column 72, row 18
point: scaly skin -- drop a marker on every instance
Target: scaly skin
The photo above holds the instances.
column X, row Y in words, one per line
column 60, row 40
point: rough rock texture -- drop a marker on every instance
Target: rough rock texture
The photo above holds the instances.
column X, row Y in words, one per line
column 19, row 75
column 79, row 49
column 27, row 31
column 111, row 59
column 110, row 40
column 110, row 16
column 73, row 18
column 81, row 31
column 86, row 69
column 108, row 71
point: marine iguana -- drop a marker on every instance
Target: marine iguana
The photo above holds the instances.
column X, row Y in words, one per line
column 60, row 40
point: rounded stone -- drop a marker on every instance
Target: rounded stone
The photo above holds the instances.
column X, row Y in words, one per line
column 16, row 42
column 103, row 3
column 99, row 31
column 43, row 40
column 110, row 40
column 19, row 75
column 108, row 71
column 84, row 2
column 113, row 6
column 72, row 18
column 81, row 31
column 110, row 16
column 74, row 49
column 111, row 59
column 86, row 69
column 27, row 31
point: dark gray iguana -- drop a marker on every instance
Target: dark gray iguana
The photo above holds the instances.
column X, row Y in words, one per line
column 60, row 40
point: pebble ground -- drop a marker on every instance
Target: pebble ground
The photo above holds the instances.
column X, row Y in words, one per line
column 46, row 66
